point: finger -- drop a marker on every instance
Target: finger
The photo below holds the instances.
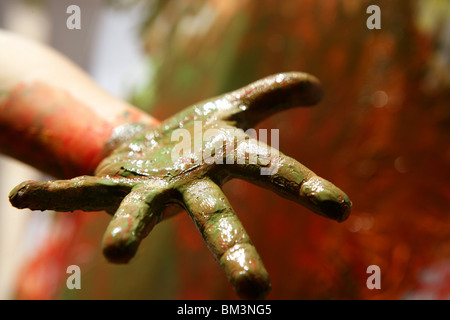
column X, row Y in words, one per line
column 265, row 166
column 251, row 104
column 226, row 238
column 138, row 213
column 273, row 94
column 85, row 193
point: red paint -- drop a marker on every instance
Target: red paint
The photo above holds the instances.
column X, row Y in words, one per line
column 50, row 130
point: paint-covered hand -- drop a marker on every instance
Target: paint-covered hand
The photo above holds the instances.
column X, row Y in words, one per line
column 183, row 161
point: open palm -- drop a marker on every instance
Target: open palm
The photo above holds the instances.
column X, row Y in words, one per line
column 184, row 161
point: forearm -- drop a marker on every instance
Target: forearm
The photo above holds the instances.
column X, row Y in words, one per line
column 52, row 115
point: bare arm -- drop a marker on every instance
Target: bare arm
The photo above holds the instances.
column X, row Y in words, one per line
column 52, row 115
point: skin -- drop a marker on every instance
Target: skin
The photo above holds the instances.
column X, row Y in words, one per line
column 139, row 178
column 52, row 115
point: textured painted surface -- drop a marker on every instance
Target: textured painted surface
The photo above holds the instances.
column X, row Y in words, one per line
column 139, row 179
column 49, row 130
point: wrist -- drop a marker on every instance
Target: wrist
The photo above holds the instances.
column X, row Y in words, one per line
column 49, row 129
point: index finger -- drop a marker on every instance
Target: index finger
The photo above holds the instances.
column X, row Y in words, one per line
column 247, row 106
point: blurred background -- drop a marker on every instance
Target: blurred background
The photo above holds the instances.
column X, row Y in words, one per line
column 381, row 133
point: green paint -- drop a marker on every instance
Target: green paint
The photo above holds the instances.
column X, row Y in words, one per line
column 139, row 179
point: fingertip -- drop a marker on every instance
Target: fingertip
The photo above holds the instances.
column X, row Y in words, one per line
column 252, row 286
column 16, row 194
column 246, row 272
column 119, row 245
column 276, row 93
column 326, row 199
column 119, row 254
column 19, row 195
column 306, row 88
